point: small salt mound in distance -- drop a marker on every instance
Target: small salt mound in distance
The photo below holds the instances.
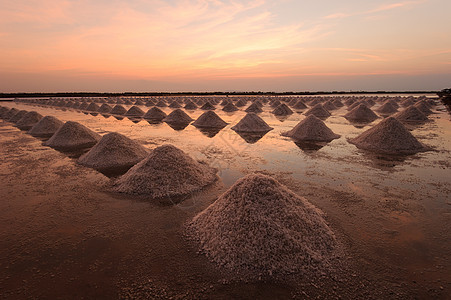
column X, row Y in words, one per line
column 155, row 114
column 167, row 171
column 134, row 111
column 105, row 108
column 282, row 110
column 209, row 119
column 17, row 116
column 240, row 103
column 299, row 105
column 311, row 129
column 411, row 115
column 275, row 103
column 254, row 108
column 361, row 114
column 113, row 152
column 175, row 104
column 178, row 116
column 190, row 105
column 46, row 127
column 329, row 106
column 389, row 137
column 3, row 111
column 338, row 103
column 73, row 136
column 229, row 107
column 260, row 227
column 161, row 103
column 252, row 123
column 29, row 120
column 208, row 106
column 92, row 107
column 423, row 107
column 318, row 111
column 118, row 110
column 83, row 106
column 387, row 108
column 139, row 102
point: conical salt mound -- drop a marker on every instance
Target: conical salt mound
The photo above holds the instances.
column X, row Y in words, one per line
column 113, row 152
column 46, row 127
column 411, row 115
column 167, row 171
column 29, row 120
column 282, row 110
column 17, row 116
column 311, row 129
column 118, row 110
column 139, row 102
column 178, row 116
column 175, row 104
column 423, row 107
column 190, row 105
column 229, row 107
column 361, row 114
column 92, row 107
column 387, row 109
column 260, row 227
column 252, row 123
column 318, row 111
column 209, row 119
column 161, row 103
column 208, row 106
column 299, row 105
column 240, row 103
column 7, row 115
column 338, row 103
column 390, row 137
column 329, row 106
column 155, row 114
column 3, row 111
column 134, row 111
column 254, row 108
column 105, row 108
column 83, row 106
column 73, row 136
column 275, row 103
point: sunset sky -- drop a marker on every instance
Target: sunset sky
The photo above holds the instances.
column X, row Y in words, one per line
column 213, row 45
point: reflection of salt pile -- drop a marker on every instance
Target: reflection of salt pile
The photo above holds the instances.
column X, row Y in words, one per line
column 178, row 116
column 311, row 129
column 209, row 119
column 261, row 227
column 411, row 115
column 389, row 136
column 118, row 110
column 252, row 123
column 318, row 111
column 361, row 113
column 28, row 120
column 113, row 151
column 229, row 107
column 134, row 111
column 167, row 171
column 282, row 110
column 17, row 116
column 46, row 127
column 387, row 108
column 155, row 114
column 73, row 136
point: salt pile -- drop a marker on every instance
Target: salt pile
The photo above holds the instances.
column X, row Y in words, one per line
column 299, row 105
column 92, row 107
column 178, row 116
column 118, row 110
column 387, row 109
column 161, row 103
column 229, row 107
column 241, row 103
column 17, row 116
column 113, row 152
column 207, row 106
column 175, row 104
column 190, row 105
column 329, row 105
column 134, row 111
column 338, row 103
column 167, row 171
column 28, row 120
column 105, row 108
column 46, row 127
column 361, row 113
column 139, row 102
column 209, row 119
column 73, row 136
column 390, row 137
column 282, row 110
column 251, row 123
column 83, row 106
column 411, row 115
column 262, row 228
column 423, row 107
column 254, row 108
column 318, row 111
column 3, row 111
column 155, row 114
column 311, row 129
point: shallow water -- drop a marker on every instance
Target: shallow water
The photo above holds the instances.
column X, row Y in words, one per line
column 391, row 212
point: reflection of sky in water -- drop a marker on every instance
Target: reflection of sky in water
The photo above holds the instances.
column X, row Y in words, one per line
column 336, row 164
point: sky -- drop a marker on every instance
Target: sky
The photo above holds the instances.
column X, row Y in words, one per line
column 224, row 45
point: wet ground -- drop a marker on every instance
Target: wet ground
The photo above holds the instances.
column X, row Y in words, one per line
column 63, row 234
